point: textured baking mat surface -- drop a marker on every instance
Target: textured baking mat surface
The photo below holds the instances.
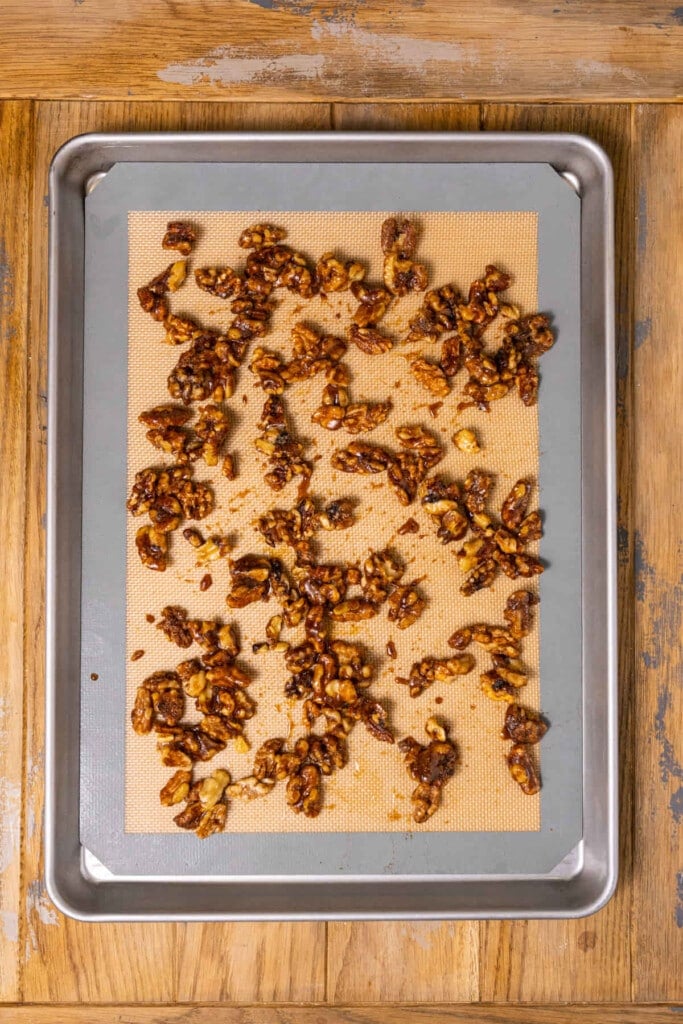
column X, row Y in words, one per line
column 372, row 793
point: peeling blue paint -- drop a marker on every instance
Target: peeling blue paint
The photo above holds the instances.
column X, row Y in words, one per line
column 669, row 765
column 676, row 805
column 642, row 331
column 644, row 572
column 677, row 15
column 622, row 544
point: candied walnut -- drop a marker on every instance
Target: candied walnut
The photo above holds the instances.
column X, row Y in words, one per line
column 510, row 669
column 360, row 457
column 176, row 789
column 431, row 766
column 250, row 788
column 370, row 340
column 285, row 453
column 180, row 236
column 408, row 469
column 373, row 304
column 152, row 296
column 523, row 726
column 152, row 545
column 430, row 376
column 212, row 549
column 222, row 282
column 406, row 605
column 228, row 468
column 495, row 639
column 304, row 791
column 190, row 816
column 418, row 439
column 212, row 429
column 175, row 441
column 162, row 416
column 296, row 276
column 273, row 762
column 325, row 583
column 399, row 237
column 519, row 565
column 172, row 494
column 268, row 366
column 174, row 624
column 438, row 496
column 410, row 526
column 212, row 821
column 515, row 505
column 403, row 275
column 480, row 577
column 523, row 770
column 476, row 490
column 373, row 715
column 143, row 712
column 332, row 412
column 451, row 355
column 517, row 612
column 338, row 515
column 439, row 313
column 258, row 235
column 531, row 528
column 381, row 572
column 496, row 687
column 354, row 609
column 391, row 650
column 250, row 579
column 206, row 369
column 328, row 753
column 436, row 670
column 527, row 381
column 211, row 789
column 466, row 441
column 361, row 417
column 293, row 527
column 335, row 275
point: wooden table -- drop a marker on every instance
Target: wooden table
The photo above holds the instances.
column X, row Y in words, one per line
column 610, row 70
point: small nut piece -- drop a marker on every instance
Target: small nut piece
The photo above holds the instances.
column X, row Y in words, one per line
column 180, row 236
column 176, row 789
column 259, row 235
column 523, row 770
column 466, row 441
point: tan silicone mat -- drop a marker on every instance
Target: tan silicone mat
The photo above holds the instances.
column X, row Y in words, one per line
column 373, row 792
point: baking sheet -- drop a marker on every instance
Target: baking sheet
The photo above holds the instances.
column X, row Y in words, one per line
column 104, row 648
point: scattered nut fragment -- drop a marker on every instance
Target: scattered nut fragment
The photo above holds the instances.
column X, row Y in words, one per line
column 430, row 376
column 410, row 526
column 431, row 766
column 391, row 650
column 205, row 582
column 522, row 725
column 335, row 275
column 466, row 441
column 222, row 282
column 176, row 789
column 259, row 235
column 180, row 236
column 434, row 670
column 212, row 549
column 370, row 340
column 250, row 788
column 193, row 537
column 522, row 769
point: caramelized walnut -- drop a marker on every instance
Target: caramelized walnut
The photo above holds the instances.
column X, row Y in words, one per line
column 517, row 612
column 259, row 235
column 406, row 605
column 222, row 282
column 523, row 726
column 430, row 376
column 304, row 791
column 335, row 275
column 436, row 670
column 360, row 457
column 431, row 766
column 370, row 340
column 373, row 304
column 180, row 236
column 523, row 770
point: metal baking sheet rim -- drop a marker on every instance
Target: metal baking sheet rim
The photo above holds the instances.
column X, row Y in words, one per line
column 74, row 882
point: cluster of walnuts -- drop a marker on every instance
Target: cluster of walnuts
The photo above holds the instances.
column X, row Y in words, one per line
column 330, row 677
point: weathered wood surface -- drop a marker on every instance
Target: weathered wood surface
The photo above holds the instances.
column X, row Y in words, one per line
column 351, row 50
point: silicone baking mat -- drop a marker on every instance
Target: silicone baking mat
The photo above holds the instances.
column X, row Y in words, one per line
column 373, row 792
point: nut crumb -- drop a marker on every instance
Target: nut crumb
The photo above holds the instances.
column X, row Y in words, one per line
column 136, row 655
column 206, row 581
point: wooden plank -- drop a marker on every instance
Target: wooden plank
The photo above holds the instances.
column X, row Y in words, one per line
column 403, row 961
column 16, row 139
column 68, row 961
column 615, row 1014
column 548, row 961
column 658, row 471
column 291, row 49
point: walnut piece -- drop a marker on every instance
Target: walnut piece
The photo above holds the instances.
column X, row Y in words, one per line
column 431, row 766
column 466, row 441
column 523, row 770
column 335, row 275
column 259, row 235
column 180, row 236
column 522, row 725
column 222, row 282
column 430, row 376
column 436, row 670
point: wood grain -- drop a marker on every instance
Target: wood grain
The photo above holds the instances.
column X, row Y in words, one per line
column 657, row 922
column 548, row 961
column 16, row 138
column 290, row 49
column 403, row 961
column 68, row 961
column 615, row 1014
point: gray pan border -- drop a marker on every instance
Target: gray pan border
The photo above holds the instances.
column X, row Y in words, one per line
column 586, row 162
